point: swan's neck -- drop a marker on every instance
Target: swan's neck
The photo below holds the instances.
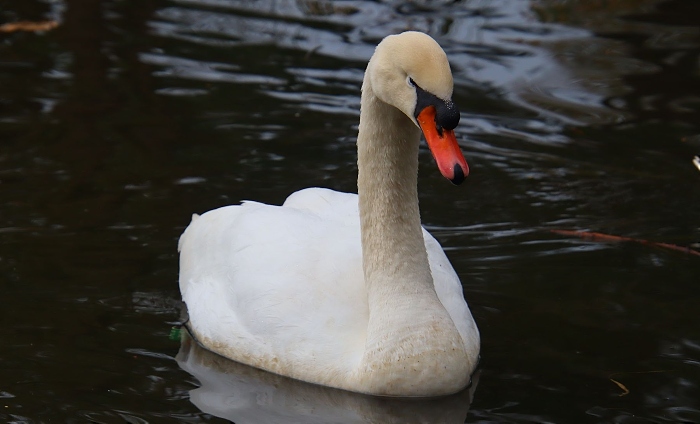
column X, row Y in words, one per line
column 409, row 328
column 392, row 238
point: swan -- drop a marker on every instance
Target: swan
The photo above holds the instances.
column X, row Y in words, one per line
column 344, row 290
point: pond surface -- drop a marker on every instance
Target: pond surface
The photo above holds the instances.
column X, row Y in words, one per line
column 129, row 116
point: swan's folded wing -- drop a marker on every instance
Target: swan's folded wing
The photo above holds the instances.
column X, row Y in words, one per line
column 451, row 294
column 326, row 204
column 276, row 283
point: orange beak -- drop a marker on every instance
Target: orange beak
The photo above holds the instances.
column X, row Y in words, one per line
column 443, row 145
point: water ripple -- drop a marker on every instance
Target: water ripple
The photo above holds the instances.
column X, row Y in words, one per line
column 490, row 44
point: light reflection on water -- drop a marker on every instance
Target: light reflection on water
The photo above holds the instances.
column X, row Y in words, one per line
column 494, row 45
column 131, row 116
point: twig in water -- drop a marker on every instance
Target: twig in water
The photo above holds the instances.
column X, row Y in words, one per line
column 28, row 26
column 590, row 235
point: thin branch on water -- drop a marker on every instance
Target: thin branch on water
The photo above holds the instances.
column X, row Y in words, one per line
column 601, row 237
column 28, row 26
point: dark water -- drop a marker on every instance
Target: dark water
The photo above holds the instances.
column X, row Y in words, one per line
column 131, row 115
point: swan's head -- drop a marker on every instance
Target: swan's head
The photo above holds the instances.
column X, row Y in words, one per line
column 410, row 71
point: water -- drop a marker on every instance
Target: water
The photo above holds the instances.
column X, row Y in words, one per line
column 119, row 124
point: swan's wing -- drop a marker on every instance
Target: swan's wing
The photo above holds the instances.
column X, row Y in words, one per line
column 267, row 284
column 450, row 292
column 326, row 204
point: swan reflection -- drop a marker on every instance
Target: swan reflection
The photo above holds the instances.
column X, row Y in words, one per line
column 244, row 395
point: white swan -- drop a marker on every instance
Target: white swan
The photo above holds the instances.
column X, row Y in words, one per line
column 321, row 290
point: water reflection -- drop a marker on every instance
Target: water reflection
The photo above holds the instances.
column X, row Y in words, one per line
column 244, row 395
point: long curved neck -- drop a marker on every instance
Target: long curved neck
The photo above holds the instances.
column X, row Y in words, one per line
column 392, row 238
column 412, row 343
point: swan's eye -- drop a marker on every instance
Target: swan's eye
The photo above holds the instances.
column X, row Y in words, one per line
column 410, row 82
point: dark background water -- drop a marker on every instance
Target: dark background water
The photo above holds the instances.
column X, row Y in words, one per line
column 130, row 116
